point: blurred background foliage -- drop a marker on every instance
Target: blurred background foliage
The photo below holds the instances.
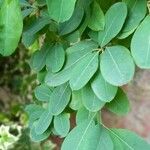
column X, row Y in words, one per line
column 16, row 91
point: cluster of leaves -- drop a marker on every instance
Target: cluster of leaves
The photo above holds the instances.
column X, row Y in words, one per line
column 82, row 61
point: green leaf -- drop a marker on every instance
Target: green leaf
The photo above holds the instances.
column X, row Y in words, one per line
column 60, row 10
column 38, row 59
column 27, row 12
column 97, row 19
column 127, row 140
column 84, row 3
column 59, row 99
column 74, row 54
column 126, row 34
column 29, row 40
column 102, row 89
column 62, row 124
column 113, row 23
column 32, row 29
column 136, row 12
column 41, row 2
column 81, row 137
column 140, row 45
column 34, row 111
column 76, row 101
column 24, row 3
column 104, row 141
column 73, row 37
column 32, row 108
column 85, row 23
column 43, row 93
column 55, row 58
column 83, row 114
column 35, row 115
column 41, row 76
column 90, row 100
column 44, row 122
column 93, row 35
column 37, row 25
column 73, row 22
column 83, row 71
column 11, row 25
column 120, row 105
column 117, row 66
column 38, row 137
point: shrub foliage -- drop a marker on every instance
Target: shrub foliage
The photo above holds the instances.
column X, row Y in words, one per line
column 83, row 52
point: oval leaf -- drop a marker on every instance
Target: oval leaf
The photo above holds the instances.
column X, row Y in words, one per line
column 76, row 101
column 120, row 105
column 83, row 114
column 81, row 137
column 75, row 53
column 44, row 122
column 11, row 25
column 62, row 124
column 90, row 100
column 59, row 99
column 140, row 44
column 38, row 59
column 43, row 92
column 60, row 10
column 97, row 19
column 113, row 23
column 39, row 137
column 73, row 22
column 117, row 66
column 55, row 58
column 103, row 90
column 104, row 141
column 83, row 71
column 127, row 140
column 136, row 12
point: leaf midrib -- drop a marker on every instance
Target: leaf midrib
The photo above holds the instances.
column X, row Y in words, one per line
column 117, row 67
column 75, row 83
column 59, row 100
column 82, row 137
